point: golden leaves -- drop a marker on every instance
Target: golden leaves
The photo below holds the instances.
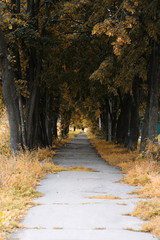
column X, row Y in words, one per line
column 104, row 72
column 22, row 87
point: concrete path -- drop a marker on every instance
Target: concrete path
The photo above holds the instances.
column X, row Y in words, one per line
column 67, row 212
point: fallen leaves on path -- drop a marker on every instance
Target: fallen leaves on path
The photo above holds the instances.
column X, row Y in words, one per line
column 104, row 197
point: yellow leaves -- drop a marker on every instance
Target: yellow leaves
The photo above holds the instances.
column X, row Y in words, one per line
column 153, row 30
column 105, row 27
column 136, row 3
column 67, row 4
column 22, row 87
column 64, row 67
column 98, row 29
column 119, row 39
column 113, row 28
column 104, row 72
column 97, row 113
column 130, row 8
column 10, row 27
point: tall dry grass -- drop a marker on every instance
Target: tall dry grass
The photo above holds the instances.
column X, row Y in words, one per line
column 4, row 135
column 19, row 176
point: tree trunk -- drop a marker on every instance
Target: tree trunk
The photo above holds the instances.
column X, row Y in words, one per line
column 150, row 124
column 114, row 117
column 134, row 122
column 154, row 93
column 123, row 123
column 145, row 128
column 54, row 125
column 23, row 130
column 109, row 120
column 105, row 118
column 65, row 122
column 32, row 110
column 30, row 118
column 10, row 95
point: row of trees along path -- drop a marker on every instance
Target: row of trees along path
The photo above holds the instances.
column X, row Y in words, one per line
column 69, row 60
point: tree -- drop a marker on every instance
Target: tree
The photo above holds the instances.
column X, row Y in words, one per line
column 25, row 27
column 63, row 56
column 134, row 43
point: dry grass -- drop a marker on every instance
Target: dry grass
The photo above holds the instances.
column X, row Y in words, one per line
column 133, row 230
column 153, row 226
column 140, row 171
column 80, row 168
column 127, row 214
column 57, row 228
column 149, row 210
column 19, row 176
column 4, row 135
column 114, row 154
column 104, row 197
column 123, row 204
column 100, row 228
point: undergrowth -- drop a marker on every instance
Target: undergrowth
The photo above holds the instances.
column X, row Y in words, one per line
column 140, row 170
column 19, row 176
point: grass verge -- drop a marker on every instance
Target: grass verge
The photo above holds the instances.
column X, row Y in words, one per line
column 19, row 176
column 140, row 171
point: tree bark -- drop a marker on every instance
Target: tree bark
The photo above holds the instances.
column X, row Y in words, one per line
column 105, row 118
column 123, row 123
column 10, row 95
column 145, row 124
column 23, row 130
column 150, row 124
column 134, row 121
column 65, row 122
column 154, row 93
column 55, row 119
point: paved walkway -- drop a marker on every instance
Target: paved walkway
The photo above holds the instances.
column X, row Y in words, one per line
column 67, row 212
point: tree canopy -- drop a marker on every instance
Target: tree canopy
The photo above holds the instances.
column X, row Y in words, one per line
column 74, row 60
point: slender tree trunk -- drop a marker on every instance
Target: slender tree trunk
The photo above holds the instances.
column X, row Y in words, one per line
column 102, row 118
column 105, row 118
column 154, row 93
column 30, row 118
column 65, row 122
column 33, row 104
column 109, row 120
column 145, row 128
column 123, row 123
column 54, row 125
column 134, row 121
column 18, row 76
column 23, row 130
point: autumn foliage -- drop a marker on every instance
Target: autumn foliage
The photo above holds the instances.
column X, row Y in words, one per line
column 81, row 63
